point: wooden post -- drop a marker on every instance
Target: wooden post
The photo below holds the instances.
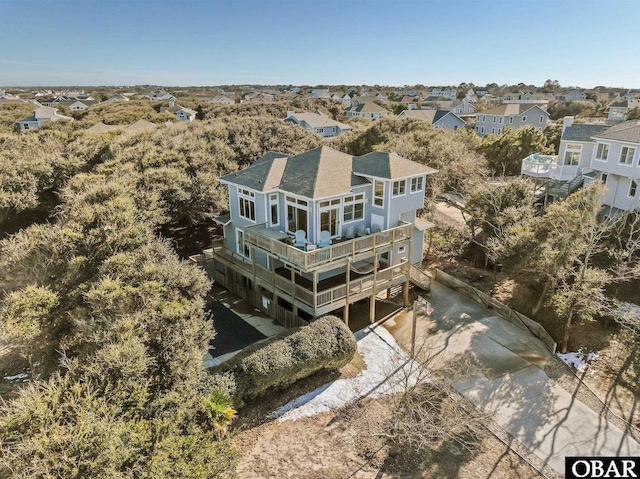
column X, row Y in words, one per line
column 347, row 280
column 372, row 300
column 413, row 328
column 405, row 286
column 315, row 292
column 293, row 291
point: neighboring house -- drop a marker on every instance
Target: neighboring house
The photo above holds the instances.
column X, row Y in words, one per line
column 159, row 95
column 346, row 99
column 79, row 105
column 316, row 232
column 437, row 118
column 514, row 115
column 619, row 111
column 317, row 123
column 180, row 112
column 466, row 106
column 222, row 99
column 367, row 109
column 41, row 116
column 573, row 95
column 525, row 97
column 186, row 114
column 319, row 93
column 593, row 152
column 259, row 97
column 449, row 93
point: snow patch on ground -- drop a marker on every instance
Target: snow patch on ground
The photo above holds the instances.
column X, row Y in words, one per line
column 389, row 369
column 22, row 376
column 579, row 359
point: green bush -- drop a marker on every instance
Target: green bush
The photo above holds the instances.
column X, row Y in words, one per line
column 326, row 343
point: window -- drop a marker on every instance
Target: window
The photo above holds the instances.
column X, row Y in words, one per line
column 242, row 247
column 482, row 129
column 500, row 120
column 603, row 177
column 484, row 118
column 511, row 120
column 247, row 202
column 25, row 126
column 493, row 130
column 353, row 208
column 524, row 118
column 329, row 216
column 602, row 152
column 572, row 154
column 273, row 210
column 399, row 187
column 416, row 184
column 633, row 189
column 626, row 155
column 541, row 119
column 494, row 119
column 296, row 214
column 378, row 193
column 499, row 131
column 320, row 130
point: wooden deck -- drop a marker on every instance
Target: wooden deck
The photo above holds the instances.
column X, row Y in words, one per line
column 324, row 259
column 323, row 297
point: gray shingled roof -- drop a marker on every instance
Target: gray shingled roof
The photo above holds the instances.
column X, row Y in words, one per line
column 270, row 155
column 388, row 165
column 580, row 132
column 625, row 131
column 509, row 109
column 322, row 172
column 367, row 107
column 318, row 173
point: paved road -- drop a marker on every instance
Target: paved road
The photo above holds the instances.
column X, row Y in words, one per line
column 507, row 380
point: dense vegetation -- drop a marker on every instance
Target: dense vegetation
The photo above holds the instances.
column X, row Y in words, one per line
column 109, row 323
column 326, row 343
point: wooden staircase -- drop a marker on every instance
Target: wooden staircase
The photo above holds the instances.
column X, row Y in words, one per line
column 419, row 278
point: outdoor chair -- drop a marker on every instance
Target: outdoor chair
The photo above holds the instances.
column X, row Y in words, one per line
column 325, row 239
column 375, row 228
column 300, row 239
column 360, row 230
column 350, row 233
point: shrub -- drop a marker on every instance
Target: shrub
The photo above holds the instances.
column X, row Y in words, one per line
column 326, row 343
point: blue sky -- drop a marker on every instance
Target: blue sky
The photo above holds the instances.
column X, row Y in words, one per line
column 181, row 43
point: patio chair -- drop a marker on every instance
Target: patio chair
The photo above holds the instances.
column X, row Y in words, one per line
column 360, row 230
column 325, row 239
column 300, row 239
column 350, row 233
column 375, row 228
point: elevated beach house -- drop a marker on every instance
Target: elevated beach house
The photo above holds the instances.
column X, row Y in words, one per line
column 315, row 232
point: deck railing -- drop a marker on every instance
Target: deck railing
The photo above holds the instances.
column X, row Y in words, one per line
column 384, row 278
column 309, row 260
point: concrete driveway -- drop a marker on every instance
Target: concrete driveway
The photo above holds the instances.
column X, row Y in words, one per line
column 506, row 379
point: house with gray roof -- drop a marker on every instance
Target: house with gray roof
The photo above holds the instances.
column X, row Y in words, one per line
column 318, row 123
column 366, row 109
column 588, row 153
column 513, row 115
column 318, row 231
column 619, row 111
column 41, row 116
column 437, row 118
